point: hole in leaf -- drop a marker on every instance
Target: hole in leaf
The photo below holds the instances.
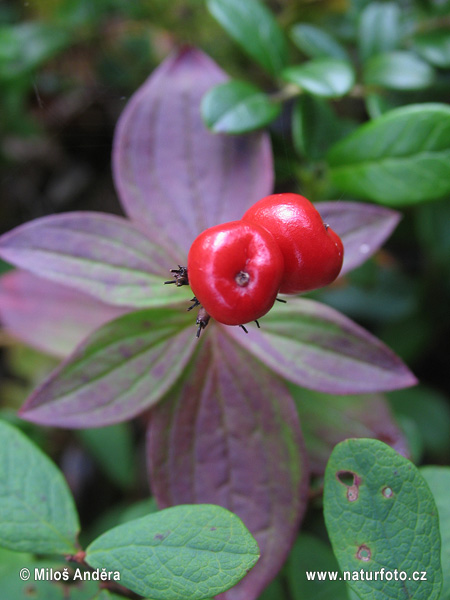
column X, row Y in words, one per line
column 387, row 492
column 352, row 483
column 364, row 553
column 346, row 477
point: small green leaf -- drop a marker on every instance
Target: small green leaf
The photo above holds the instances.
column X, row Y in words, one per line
column 316, row 42
column 401, row 158
column 327, row 77
column 191, row 551
column 438, row 478
column 379, row 28
column 255, row 29
column 112, row 447
column 37, row 512
column 381, row 517
column 237, row 107
column 310, row 554
column 315, row 127
column 398, row 70
column 434, row 46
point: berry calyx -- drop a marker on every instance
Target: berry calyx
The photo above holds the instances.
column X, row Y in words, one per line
column 235, row 270
column 312, row 251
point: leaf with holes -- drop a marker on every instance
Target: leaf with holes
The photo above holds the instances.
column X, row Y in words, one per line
column 381, row 517
column 37, row 511
column 229, row 434
column 328, row 419
column 121, row 369
column 174, row 176
column 317, row 347
column 50, row 317
column 238, row 107
column 399, row 159
column 363, row 228
column 193, row 552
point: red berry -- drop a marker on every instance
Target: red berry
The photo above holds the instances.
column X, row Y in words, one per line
column 312, row 252
column 235, row 271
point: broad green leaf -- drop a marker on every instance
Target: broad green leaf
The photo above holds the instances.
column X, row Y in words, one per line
column 315, row 127
column 311, row 555
column 381, row 516
column 316, row 42
column 379, row 28
column 438, row 478
column 237, row 107
column 112, row 447
column 37, row 512
column 328, row 419
column 189, row 551
column 122, row 368
column 401, row 158
column 434, row 46
column 399, row 70
column 255, row 29
column 326, row 77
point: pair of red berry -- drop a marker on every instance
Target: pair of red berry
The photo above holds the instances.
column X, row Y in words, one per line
column 281, row 245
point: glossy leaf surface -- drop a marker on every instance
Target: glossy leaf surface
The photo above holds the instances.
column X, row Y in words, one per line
column 102, row 255
column 379, row 28
column 380, row 514
column 173, row 176
column 401, row 158
column 363, row 228
column 255, row 29
column 434, row 46
column 317, row 347
column 118, row 371
column 238, row 107
column 326, row 77
column 50, row 317
column 316, row 42
column 398, row 70
column 229, row 434
column 37, row 512
column 183, row 552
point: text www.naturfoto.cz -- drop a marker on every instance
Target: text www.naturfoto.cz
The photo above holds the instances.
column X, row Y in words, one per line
column 362, row 575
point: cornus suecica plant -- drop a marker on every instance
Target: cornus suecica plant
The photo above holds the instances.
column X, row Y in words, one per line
column 224, row 428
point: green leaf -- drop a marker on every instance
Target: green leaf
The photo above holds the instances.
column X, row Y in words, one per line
column 381, row 516
column 237, row 107
column 327, row 77
column 401, row 158
column 379, row 29
column 434, row 46
column 37, row 512
column 310, row 554
column 189, row 551
column 316, row 42
column 113, row 449
column 398, row 70
column 438, row 478
column 255, row 29
column 119, row 370
column 315, row 127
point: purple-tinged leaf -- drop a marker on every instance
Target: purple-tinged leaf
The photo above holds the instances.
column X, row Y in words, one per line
column 120, row 370
column 362, row 227
column 47, row 316
column 102, row 255
column 172, row 175
column 229, row 435
column 327, row 420
column 317, row 347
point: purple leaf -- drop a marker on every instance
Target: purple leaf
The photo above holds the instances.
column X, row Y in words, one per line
column 317, row 347
column 121, row 369
column 362, row 227
column 102, row 255
column 327, row 420
column 50, row 317
column 175, row 177
column 229, row 435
